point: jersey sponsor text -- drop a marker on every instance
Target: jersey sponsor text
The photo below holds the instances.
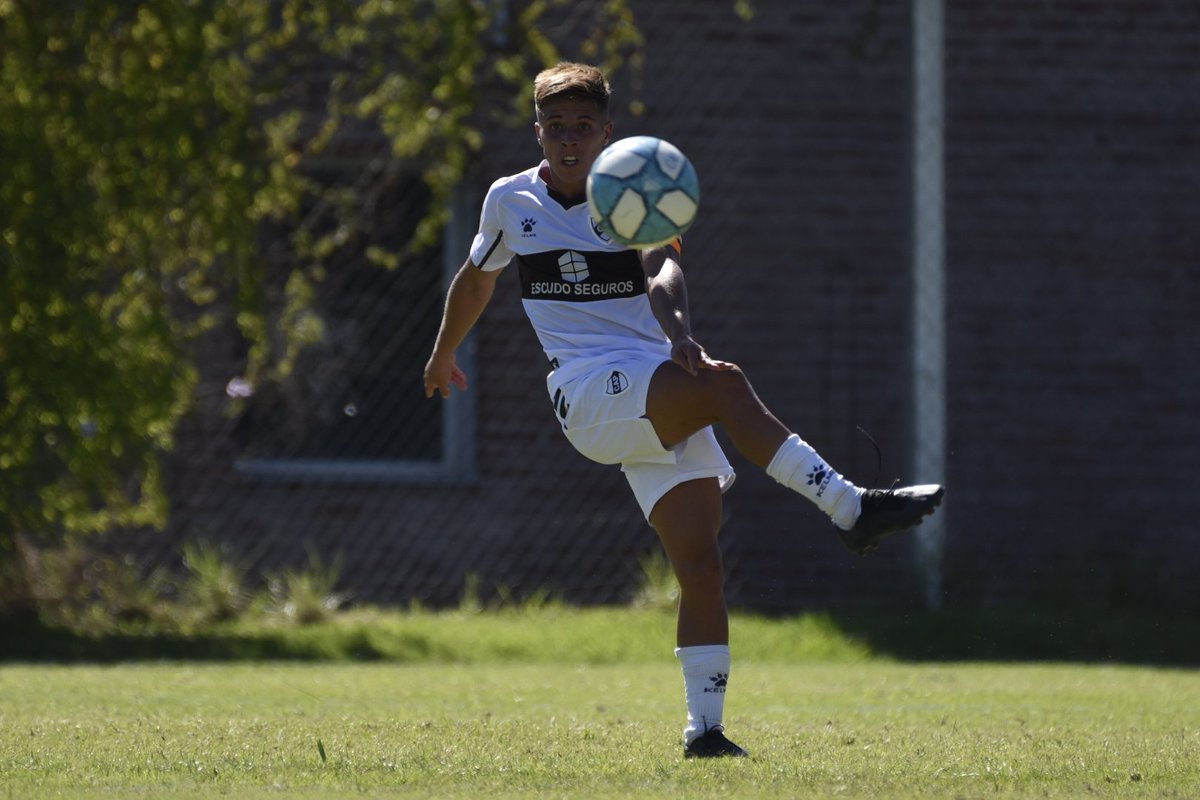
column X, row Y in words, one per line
column 542, row 289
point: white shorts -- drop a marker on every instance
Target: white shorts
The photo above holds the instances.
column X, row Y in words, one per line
column 603, row 415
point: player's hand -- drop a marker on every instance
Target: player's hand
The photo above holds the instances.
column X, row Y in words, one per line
column 688, row 354
column 441, row 374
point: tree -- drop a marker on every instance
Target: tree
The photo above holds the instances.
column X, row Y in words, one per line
column 156, row 160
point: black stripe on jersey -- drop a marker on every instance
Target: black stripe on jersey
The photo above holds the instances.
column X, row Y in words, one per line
column 577, row 276
column 490, row 250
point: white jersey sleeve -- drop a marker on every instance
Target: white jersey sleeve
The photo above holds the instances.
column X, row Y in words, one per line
column 489, row 251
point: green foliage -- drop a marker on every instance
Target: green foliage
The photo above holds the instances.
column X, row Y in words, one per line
column 123, row 199
column 471, row 601
column 504, row 599
column 659, row 588
column 75, row 588
column 162, row 179
column 215, row 589
column 308, row 595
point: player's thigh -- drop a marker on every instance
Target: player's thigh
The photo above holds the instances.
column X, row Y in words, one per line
column 679, row 403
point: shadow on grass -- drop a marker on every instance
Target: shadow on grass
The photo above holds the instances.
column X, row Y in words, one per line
column 30, row 642
column 1035, row 636
column 1074, row 636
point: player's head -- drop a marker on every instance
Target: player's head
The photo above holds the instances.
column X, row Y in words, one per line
column 570, row 80
column 572, row 122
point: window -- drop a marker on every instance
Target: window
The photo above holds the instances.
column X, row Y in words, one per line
column 353, row 408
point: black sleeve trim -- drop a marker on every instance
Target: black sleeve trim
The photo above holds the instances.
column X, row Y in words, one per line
column 490, row 250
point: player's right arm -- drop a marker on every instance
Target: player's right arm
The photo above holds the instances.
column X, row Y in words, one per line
column 470, row 292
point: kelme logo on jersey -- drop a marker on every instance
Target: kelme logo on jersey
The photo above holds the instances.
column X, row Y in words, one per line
column 527, row 227
column 617, row 382
column 574, row 267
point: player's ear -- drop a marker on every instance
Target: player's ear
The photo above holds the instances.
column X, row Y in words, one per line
column 608, row 132
column 537, row 131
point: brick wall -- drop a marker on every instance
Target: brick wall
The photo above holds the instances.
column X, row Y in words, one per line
column 1073, row 175
column 1072, row 181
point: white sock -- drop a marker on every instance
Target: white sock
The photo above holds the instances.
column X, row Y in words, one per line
column 705, row 673
column 797, row 466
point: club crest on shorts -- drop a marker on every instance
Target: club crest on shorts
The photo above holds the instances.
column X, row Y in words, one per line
column 617, row 383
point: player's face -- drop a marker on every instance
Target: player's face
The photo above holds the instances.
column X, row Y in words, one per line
column 572, row 132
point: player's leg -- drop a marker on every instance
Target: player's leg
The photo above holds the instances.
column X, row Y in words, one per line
column 679, row 403
column 687, row 519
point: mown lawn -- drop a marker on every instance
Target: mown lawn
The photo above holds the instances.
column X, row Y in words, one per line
column 829, row 719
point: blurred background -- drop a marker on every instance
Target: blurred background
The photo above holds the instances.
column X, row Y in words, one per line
column 964, row 232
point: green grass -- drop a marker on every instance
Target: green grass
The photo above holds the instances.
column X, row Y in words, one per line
column 563, row 730
column 560, row 703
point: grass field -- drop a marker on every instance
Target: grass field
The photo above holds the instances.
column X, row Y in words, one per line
column 831, row 719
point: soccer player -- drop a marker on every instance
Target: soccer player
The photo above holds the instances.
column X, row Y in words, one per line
column 632, row 386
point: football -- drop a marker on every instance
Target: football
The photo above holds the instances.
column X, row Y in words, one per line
column 643, row 191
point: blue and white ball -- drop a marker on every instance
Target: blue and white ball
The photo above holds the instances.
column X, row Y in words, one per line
column 643, row 191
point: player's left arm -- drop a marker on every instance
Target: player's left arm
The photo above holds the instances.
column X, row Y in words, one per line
column 667, row 292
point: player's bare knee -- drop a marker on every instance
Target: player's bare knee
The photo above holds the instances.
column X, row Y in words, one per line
column 700, row 569
column 727, row 381
column 730, row 389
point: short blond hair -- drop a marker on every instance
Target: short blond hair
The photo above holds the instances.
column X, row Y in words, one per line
column 569, row 79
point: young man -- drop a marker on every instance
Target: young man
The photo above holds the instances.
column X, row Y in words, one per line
column 631, row 386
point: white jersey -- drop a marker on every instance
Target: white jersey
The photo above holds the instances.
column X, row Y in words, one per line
column 584, row 293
